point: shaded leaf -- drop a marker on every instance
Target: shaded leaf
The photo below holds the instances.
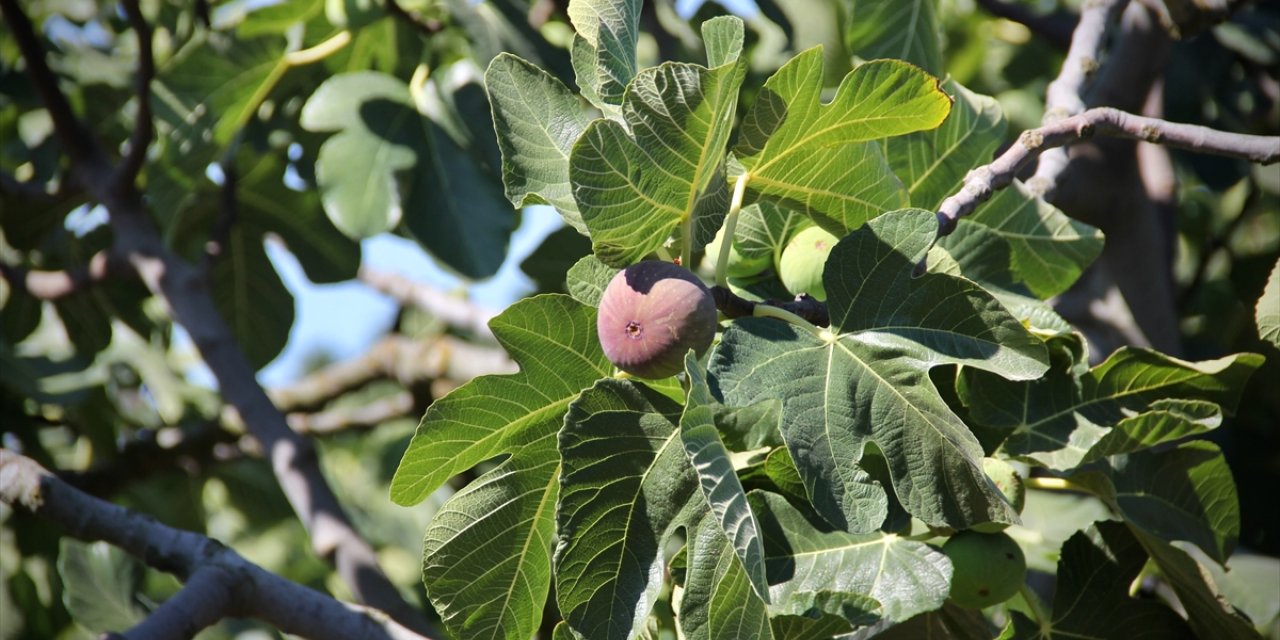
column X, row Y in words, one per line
column 719, row 601
column 1267, row 311
column 624, row 480
column 548, row 266
column 717, row 477
column 1166, row 421
column 537, row 121
column 865, row 380
column 605, row 61
column 100, row 582
column 903, row 29
column 1208, row 612
column 553, row 339
column 764, row 229
column 587, row 279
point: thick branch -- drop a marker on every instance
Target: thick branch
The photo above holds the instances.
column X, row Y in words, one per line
column 143, row 127
column 366, row 416
column 985, row 180
column 402, row 359
column 184, row 290
column 221, row 582
column 1054, row 28
column 453, row 311
column 1065, row 96
column 51, row 285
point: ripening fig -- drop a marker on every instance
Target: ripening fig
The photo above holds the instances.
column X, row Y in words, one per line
column 1007, row 480
column 803, row 260
column 651, row 314
column 989, row 568
column 738, row 266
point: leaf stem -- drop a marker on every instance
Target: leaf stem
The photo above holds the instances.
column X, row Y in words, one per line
column 1037, row 609
column 730, row 226
column 778, row 313
column 320, row 51
column 1053, row 484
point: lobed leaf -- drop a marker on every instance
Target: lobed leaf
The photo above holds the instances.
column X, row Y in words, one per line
column 553, row 339
column 719, row 600
column 604, row 51
column 864, row 382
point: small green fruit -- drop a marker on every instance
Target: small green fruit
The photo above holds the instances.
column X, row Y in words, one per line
column 738, row 266
column 651, row 314
column 989, row 568
column 803, row 260
column 1007, row 480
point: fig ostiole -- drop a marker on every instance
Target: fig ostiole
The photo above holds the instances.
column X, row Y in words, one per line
column 651, row 314
column 988, row 568
column 803, row 260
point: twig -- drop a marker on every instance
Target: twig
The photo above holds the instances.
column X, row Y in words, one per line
column 426, row 27
column 1054, row 28
column 221, row 582
column 367, row 416
column 804, row 306
column 143, row 127
column 453, row 311
column 30, row 191
column 402, row 359
column 52, row 285
column 228, row 213
column 156, row 452
column 983, row 181
column 1065, row 95
column 182, row 287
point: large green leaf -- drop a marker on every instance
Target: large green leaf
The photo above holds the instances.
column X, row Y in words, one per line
column 1092, row 599
column 818, row 158
column 1048, row 250
column 719, row 601
column 811, row 569
column 1186, row 493
column 1166, row 421
column 388, row 161
column 537, row 121
column 635, row 181
column 764, row 229
column 553, row 339
column 717, row 477
column 487, row 554
column 865, row 381
column 1056, row 420
column 101, row 584
column 221, row 77
column 903, row 29
column 1267, row 311
column 604, row 51
column 624, row 481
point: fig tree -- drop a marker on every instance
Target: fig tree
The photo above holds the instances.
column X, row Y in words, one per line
column 738, row 265
column 1007, row 480
column 803, row 260
column 989, row 568
column 651, row 314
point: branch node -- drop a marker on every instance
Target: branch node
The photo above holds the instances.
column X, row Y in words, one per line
column 1031, row 139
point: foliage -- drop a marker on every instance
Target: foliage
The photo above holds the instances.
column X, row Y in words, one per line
column 798, row 481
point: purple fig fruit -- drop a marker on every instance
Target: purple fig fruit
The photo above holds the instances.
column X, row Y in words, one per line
column 651, row 314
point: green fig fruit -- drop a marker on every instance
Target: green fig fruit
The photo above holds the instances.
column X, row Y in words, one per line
column 651, row 314
column 803, row 260
column 988, row 568
column 738, row 266
column 1007, row 480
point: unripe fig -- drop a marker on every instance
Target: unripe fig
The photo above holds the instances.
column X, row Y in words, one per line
column 803, row 260
column 989, row 568
column 1007, row 480
column 651, row 314
column 737, row 266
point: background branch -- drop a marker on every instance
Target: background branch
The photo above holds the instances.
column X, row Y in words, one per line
column 184, row 290
column 1106, row 121
column 52, row 285
column 456, row 312
column 1054, row 28
column 143, row 127
column 222, row 582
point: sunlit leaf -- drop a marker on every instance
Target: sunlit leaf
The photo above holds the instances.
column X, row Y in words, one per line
column 1267, row 312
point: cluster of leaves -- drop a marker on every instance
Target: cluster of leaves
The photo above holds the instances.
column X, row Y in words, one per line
column 789, row 468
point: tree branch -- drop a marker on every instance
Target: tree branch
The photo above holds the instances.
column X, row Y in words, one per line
column 52, row 285
column 183, row 288
column 804, row 305
column 985, row 180
column 402, row 359
column 367, row 416
column 219, row 581
column 1065, row 95
column 453, row 311
column 143, row 127
column 1054, row 28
